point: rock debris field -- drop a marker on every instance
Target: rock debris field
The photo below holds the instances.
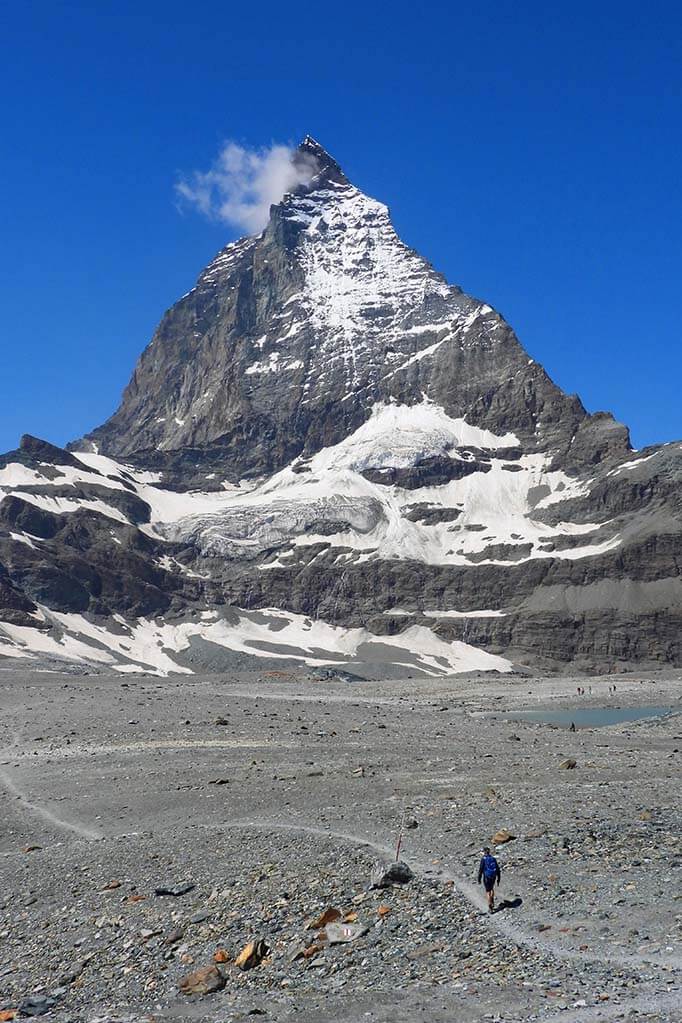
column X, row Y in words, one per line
column 203, row 848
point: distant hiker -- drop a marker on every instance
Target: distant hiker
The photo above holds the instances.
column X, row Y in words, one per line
column 489, row 873
column 572, row 728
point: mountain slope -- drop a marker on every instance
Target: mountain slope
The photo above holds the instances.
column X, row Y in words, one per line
column 323, row 425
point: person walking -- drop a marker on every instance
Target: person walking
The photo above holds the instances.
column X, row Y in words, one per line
column 489, row 873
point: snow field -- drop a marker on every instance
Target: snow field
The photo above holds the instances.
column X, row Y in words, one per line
column 146, row 645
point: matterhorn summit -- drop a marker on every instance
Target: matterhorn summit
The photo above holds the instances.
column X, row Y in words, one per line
column 329, row 455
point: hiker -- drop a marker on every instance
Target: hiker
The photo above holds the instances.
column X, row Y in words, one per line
column 489, row 873
column 572, row 728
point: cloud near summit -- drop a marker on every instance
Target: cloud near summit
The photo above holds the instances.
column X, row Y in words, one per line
column 243, row 183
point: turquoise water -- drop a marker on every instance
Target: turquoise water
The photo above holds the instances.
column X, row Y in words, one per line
column 590, row 717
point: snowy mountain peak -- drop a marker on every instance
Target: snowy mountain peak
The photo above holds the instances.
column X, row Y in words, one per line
column 311, row 145
column 289, row 340
column 311, row 157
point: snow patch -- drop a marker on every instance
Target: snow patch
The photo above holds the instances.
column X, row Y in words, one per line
column 399, row 436
column 271, row 633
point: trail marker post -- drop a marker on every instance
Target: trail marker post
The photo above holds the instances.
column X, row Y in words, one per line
column 400, row 837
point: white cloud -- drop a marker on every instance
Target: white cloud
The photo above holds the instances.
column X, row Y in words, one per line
column 243, row 183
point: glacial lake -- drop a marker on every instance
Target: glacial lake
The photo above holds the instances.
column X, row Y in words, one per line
column 590, row 717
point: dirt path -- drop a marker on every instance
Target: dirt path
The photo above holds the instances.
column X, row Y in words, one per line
column 466, row 890
column 91, row 834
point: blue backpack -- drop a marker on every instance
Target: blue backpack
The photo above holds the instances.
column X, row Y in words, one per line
column 489, row 866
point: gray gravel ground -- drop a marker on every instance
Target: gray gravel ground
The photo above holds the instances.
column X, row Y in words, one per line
column 273, row 795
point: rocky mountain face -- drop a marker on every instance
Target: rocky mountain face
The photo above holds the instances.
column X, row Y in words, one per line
column 323, row 427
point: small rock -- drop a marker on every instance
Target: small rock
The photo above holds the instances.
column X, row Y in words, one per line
column 569, row 764
column 502, row 836
column 535, row 833
column 200, row 916
column 221, row 956
column 71, row 974
column 36, row 1005
column 202, row 981
column 174, row 889
column 329, row 916
column 309, row 952
column 338, row 934
column 384, row 875
column 252, row 954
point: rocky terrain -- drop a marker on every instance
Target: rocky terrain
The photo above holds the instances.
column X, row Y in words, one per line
column 325, row 433
column 153, row 828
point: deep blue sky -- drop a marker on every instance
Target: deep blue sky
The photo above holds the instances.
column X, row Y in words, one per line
column 531, row 151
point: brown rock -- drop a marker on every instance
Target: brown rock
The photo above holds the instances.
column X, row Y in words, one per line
column 502, row 836
column 329, row 916
column 252, row 954
column 202, row 981
column 220, row 956
column 309, row 952
column 111, row 886
column 384, row 910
